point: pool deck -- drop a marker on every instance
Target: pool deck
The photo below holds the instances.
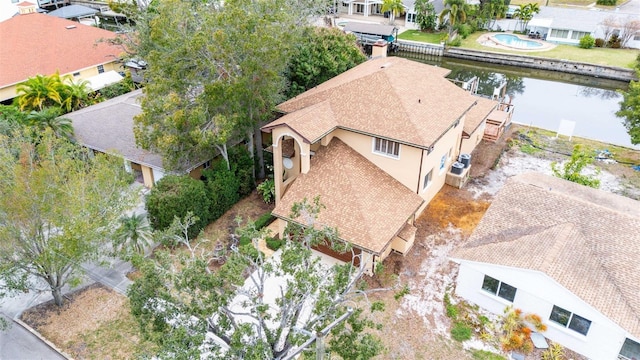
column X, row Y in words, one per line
column 489, row 41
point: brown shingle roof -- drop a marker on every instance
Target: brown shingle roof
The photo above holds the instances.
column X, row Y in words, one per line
column 388, row 97
column 478, row 113
column 585, row 239
column 365, row 204
column 35, row 44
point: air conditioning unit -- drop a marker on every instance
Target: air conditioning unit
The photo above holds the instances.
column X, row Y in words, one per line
column 465, row 159
column 457, row 168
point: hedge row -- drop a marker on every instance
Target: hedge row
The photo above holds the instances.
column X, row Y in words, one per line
column 208, row 198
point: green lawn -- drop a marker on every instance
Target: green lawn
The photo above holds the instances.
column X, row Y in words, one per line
column 417, row 35
column 624, row 58
column 613, row 57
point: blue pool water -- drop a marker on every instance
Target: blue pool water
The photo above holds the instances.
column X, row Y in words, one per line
column 514, row 41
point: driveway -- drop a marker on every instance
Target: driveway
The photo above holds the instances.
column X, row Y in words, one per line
column 16, row 342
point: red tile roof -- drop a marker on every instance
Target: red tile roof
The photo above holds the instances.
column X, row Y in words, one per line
column 35, row 44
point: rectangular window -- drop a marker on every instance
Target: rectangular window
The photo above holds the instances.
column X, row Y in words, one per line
column 570, row 320
column 497, row 287
column 443, row 162
column 577, row 35
column 411, row 18
column 100, row 69
column 360, row 8
column 76, row 74
column 561, row 34
column 386, row 147
column 636, row 37
column 207, row 164
column 427, row 179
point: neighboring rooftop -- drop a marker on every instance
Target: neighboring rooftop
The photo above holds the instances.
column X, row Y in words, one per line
column 73, row 11
column 43, row 44
column 393, row 98
column 364, row 203
column 583, row 238
column 574, row 19
column 108, row 127
column 478, row 113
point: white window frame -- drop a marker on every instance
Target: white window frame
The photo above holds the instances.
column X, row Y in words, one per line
column 497, row 292
column 386, row 143
column 443, row 162
column 100, row 69
column 428, row 180
column 569, row 320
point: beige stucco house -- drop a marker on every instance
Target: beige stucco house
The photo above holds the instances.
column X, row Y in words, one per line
column 375, row 143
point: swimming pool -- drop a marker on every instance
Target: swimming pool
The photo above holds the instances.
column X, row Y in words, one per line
column 516, row 42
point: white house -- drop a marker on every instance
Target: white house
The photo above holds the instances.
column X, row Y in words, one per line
column 568, row 25
column 566, row 252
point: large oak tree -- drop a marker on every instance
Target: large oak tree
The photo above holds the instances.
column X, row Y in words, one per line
column 58, row 206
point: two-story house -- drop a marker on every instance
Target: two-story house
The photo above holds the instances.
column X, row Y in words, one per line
column 375, row 144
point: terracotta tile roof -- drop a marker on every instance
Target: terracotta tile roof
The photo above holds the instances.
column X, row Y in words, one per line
column 41, row 44
column 585, row 239
column 391, row 97
column 365, row 204
column 478, row 113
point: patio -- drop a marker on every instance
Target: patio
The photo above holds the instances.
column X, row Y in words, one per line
column 489, row 40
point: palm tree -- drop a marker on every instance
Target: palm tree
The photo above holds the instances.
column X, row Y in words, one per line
column 75, row 95
column 525, row 13
column 39, row 92
column 133, row 235
column 455, row 12
column 50, row 118
column 395, row 8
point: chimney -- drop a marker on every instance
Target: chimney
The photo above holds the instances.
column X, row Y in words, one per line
column 26, row 7
column 379, row 49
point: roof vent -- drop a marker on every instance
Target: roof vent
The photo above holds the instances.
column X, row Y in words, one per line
column 385, row 65
column 68, row 27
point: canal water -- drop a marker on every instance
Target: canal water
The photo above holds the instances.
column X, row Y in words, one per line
column 544, row 98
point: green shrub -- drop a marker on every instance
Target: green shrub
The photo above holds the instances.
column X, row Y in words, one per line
column 457, row 41
column 464, row 30
column 267, row 189
column 614, row 42
column 242, row 166
column 120, row 88
column 606, row 2
column 264, row 220
column 175, row 195
column 486, row 355
column 451, row 310
column 222, row 189
column 460, row 332
column 587, row 42
column 274, row 244
column 599, row 42
column 251, row 251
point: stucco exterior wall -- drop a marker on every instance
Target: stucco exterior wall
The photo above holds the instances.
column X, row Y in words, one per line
column 468, row 145
column 446, row 147
column 405, row 168
column 9, row 91
column 537, row 293
column 147, row 176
